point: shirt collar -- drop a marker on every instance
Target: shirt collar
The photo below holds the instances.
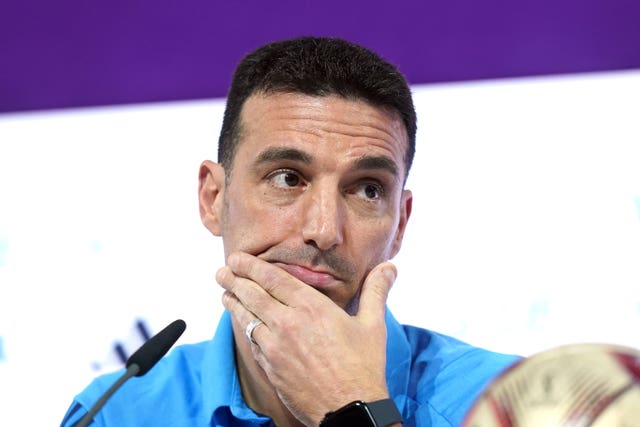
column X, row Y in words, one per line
column 398, row 358
column 220, row 383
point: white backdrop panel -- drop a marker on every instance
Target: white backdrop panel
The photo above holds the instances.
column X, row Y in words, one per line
column 525, row 232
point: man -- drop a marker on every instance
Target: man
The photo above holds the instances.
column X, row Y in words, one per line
column 309, row 199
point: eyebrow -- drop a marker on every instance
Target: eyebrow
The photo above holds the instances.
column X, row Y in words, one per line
column 275, row 154
column 377, row 163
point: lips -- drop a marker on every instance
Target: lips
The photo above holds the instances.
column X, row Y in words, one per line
column 316, row 279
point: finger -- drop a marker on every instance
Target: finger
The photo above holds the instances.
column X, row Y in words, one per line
column 249, row 294
column 242, row 316
column 273, row 279
column 375, row 291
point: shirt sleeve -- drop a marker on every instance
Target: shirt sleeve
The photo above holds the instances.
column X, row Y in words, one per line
column 74, row 414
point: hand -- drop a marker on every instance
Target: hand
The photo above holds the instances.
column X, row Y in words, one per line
column 317, row 357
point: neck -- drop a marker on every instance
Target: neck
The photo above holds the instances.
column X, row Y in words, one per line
column 257, row 390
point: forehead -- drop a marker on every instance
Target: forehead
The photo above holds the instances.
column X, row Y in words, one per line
column 330, row 122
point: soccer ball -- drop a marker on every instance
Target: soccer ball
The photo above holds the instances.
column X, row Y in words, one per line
column 570, row 386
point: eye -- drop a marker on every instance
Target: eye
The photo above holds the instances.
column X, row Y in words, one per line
column 370, row 191
column 285, row 178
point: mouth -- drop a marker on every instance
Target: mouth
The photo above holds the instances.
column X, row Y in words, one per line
column 313, row 278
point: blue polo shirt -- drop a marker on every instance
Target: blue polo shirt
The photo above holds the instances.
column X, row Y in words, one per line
column 434, row 379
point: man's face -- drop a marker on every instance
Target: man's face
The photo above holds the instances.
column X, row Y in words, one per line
column 317, row 189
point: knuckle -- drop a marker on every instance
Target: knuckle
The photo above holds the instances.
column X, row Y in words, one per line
column 274, row 284
column 286, row 325
column 271, row 280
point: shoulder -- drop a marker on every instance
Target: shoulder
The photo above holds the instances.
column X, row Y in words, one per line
column 446, row 350
column 176, row 375
column 179, row 369
column 448, row 375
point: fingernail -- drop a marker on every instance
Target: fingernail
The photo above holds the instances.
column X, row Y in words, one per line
column 232, row 260
column 220, row 274
column 226, row 300
column 390, row 273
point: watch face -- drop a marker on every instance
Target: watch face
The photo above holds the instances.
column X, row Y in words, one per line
column 354, row 415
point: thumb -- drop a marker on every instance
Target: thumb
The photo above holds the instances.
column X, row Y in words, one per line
column 375, row 291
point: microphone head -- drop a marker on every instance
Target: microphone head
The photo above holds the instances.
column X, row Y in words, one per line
column 156, row 347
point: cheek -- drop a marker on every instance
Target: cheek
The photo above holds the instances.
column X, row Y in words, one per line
column 380, row 233
column 252, row 226
column 373, row 243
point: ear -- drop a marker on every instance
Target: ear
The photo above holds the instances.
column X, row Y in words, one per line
column 211, row 195
column 406, row 202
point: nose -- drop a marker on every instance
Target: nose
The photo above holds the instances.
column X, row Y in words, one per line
column 323, row 218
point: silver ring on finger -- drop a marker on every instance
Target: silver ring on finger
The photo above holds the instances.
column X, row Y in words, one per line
column 249, row 330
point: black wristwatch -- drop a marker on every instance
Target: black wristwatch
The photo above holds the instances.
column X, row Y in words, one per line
column 381, row 413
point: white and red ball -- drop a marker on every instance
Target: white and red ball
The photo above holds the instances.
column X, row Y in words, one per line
column 570, row 386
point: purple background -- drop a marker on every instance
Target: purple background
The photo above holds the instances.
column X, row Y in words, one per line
column 57, row 54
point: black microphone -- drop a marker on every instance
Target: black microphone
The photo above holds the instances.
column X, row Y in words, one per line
column 140, row 363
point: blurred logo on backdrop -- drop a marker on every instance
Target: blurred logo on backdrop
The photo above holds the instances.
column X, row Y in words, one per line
column 123, row 348
column 4, row 246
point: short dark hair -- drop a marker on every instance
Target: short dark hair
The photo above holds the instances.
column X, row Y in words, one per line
column 316, row 66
